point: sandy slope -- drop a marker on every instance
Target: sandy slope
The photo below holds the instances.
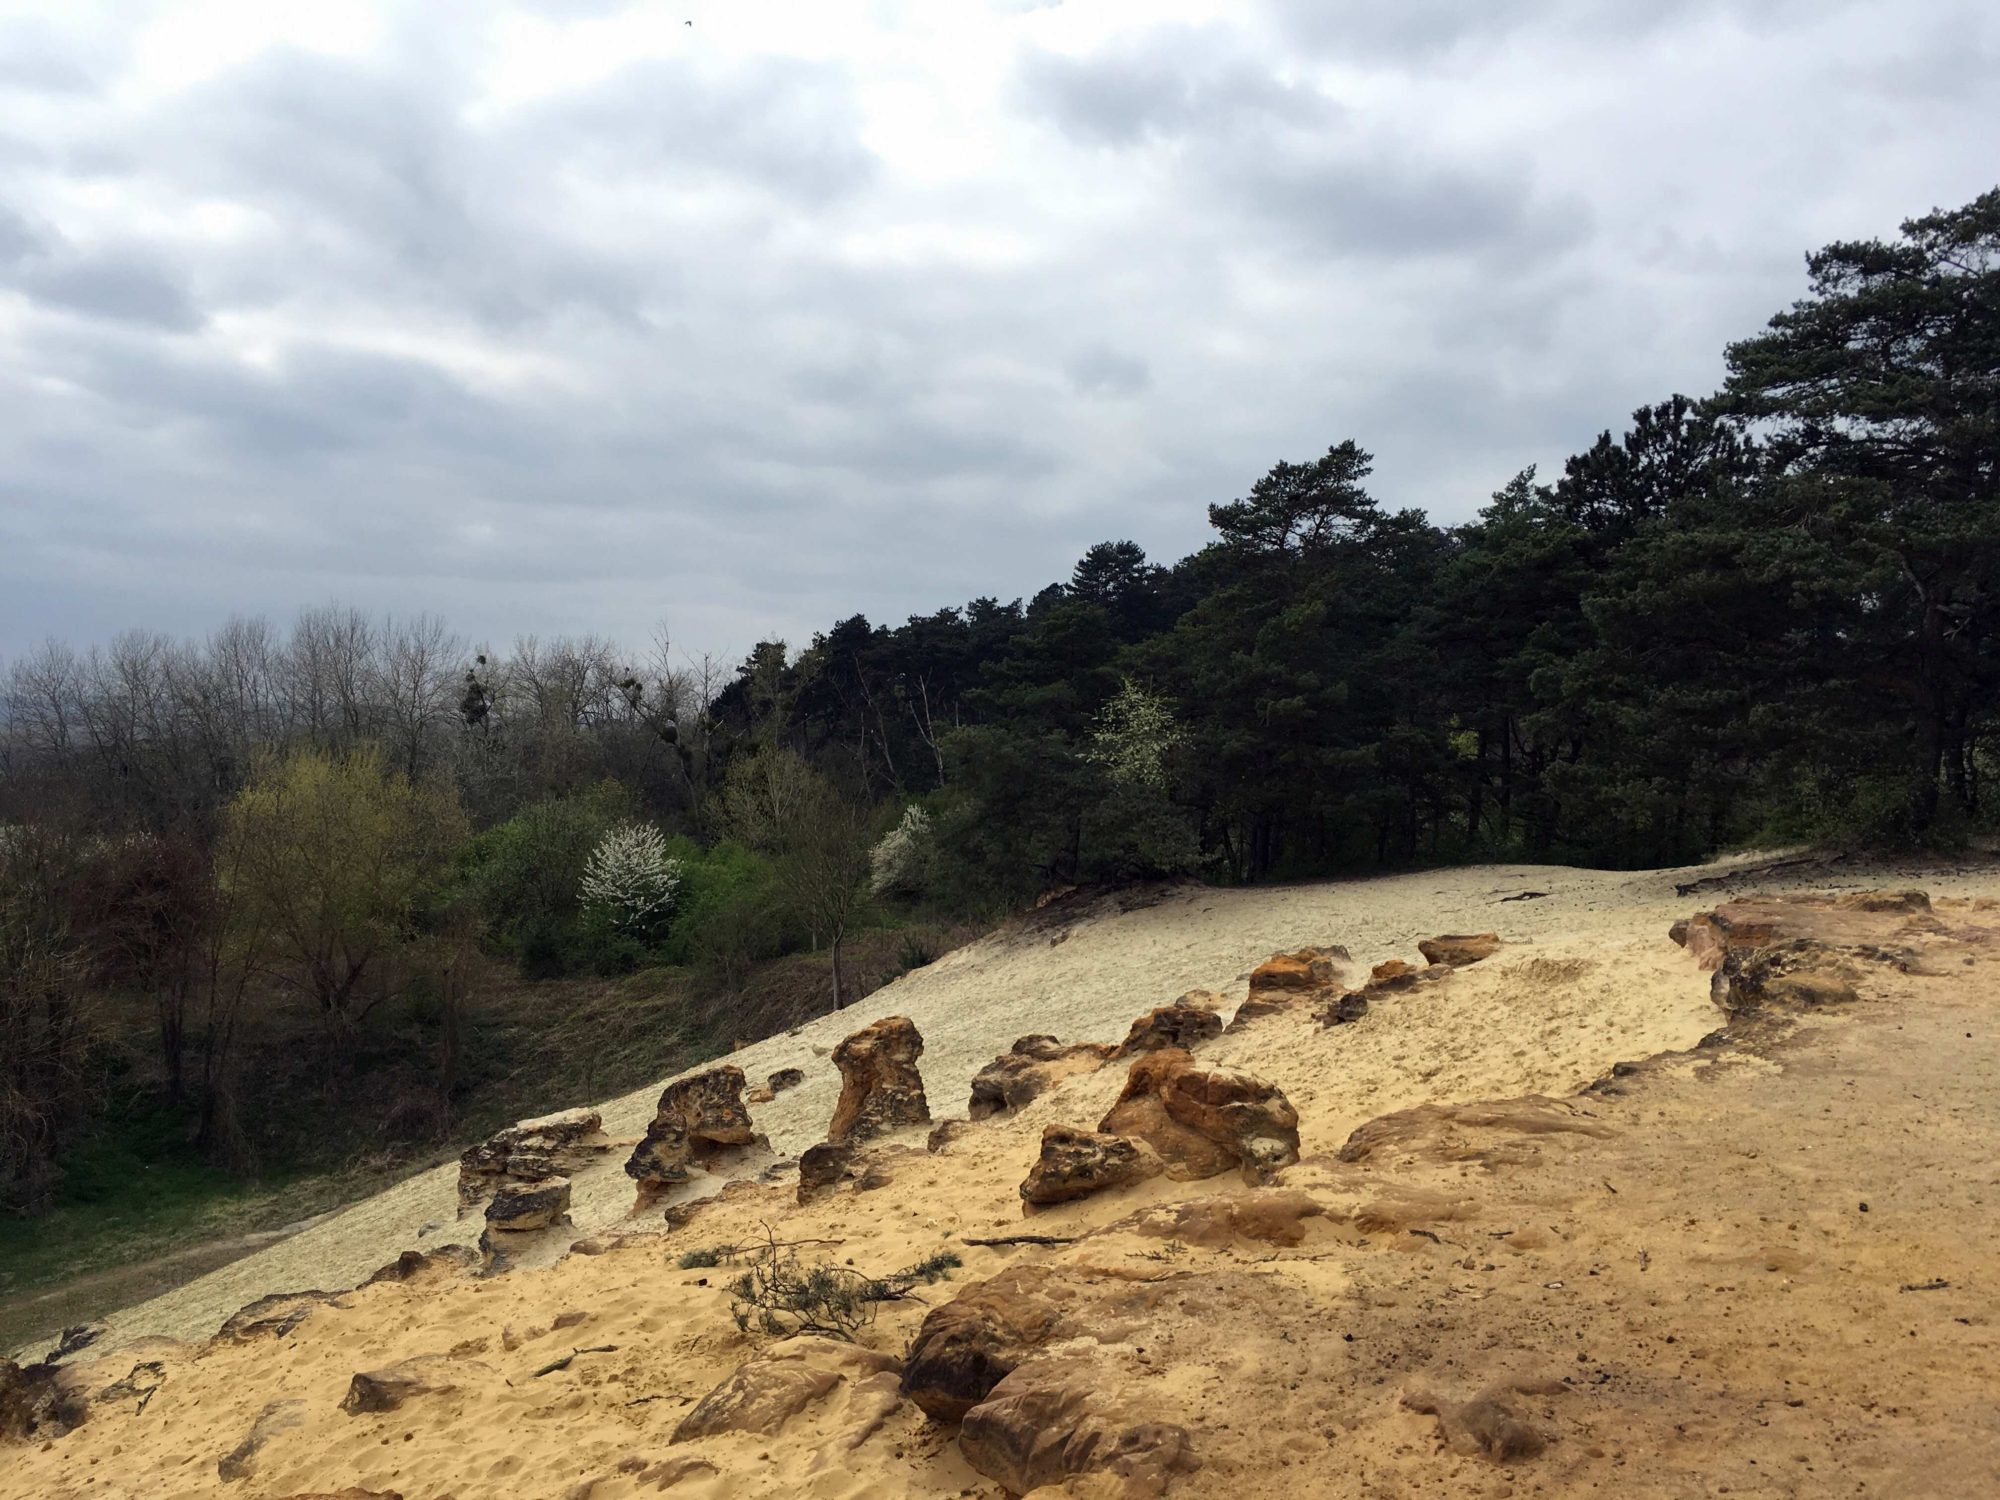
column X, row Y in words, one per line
column 1695, row 1258
column 1087, row 980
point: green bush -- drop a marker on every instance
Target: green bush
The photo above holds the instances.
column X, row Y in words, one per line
column 525, row 876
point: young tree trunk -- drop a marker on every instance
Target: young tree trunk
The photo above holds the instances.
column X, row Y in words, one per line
column 838, row 1001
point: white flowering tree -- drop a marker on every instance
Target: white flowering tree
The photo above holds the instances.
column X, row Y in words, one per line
column 1132, row 737
column 630, row 878
column 1134, row 830
column 900, row 859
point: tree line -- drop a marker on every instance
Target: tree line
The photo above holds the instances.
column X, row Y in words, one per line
column 1764, row 613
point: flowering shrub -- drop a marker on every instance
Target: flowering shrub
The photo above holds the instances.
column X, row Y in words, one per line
column 1132, row 738
column 630, row 878
column 900, row 859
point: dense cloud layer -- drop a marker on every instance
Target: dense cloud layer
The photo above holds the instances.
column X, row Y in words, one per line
column 555, row 316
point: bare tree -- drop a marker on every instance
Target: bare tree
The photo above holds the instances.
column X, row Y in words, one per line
column 817, row 840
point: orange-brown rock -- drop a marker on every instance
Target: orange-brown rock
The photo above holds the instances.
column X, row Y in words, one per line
column 425, row 1266
column 1302, row 972
column 1076, row 1163
column 1392, row 974
column 1203, row 1121
column 966, row 1347
column 697, row 1119
column 1064, row 1415
column 1027, row 1070
column 547, row 1146
column 1190, row 1020
column 1141, row 1112
column 1458, row 950
column 880, row 1088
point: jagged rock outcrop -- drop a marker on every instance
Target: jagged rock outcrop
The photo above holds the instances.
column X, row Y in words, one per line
column 880, row 1087
column 1204, row 1121
column 1028, row 1069
column 698, row 1119
column 1192, row 1019
column 760, row 1397
column 548, row 1146
column 525, row 1207
column 966, row 1347
column 1061, row 1416
column 1457, row 950
column 1076, row 1163
column 389, row 1387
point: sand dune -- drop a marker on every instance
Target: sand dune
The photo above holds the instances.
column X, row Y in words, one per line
column 1275, row 1361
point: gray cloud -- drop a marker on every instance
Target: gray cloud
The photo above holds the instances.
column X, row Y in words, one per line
column 749, row 341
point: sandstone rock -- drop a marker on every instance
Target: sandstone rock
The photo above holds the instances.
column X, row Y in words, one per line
column 1205, row 1121
column 785, row 1078
column 240, row 1462
column 1458, row 950
column 762, row 1094
column 522, row 1207
column 763, row 1395
column 548, row 1146
column 697, row 1119
column 669, row 1472
column 273, row 1316
column 1391, row 974
column 822, row 1168
column 874, row 1177
column 1302, row 972
column 880, row 1088
column 1190, row 1020
column 1141, row 1113
column 1060, row 1416
column 1077, row 1163
column 389, row 1387
column 1029, row 1069
column 966, row 1347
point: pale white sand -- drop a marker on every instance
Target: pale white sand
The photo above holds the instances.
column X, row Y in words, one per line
column 1493, row 1035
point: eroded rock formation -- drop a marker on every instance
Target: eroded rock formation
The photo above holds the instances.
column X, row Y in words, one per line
column 698, row 1118
column 1027, row 1070
column 1077, row 1163
column 1204, row 1121
column 760, row 1397
column 1189, row 1021
column 1061, row 1416
column 548, row 1146
column 1456, row 951
column 880, row 1087
column 524, row 1207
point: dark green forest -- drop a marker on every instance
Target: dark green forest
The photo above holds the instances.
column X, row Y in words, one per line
column 1763, row 614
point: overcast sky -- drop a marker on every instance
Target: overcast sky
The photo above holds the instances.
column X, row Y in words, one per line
column 574, row 316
